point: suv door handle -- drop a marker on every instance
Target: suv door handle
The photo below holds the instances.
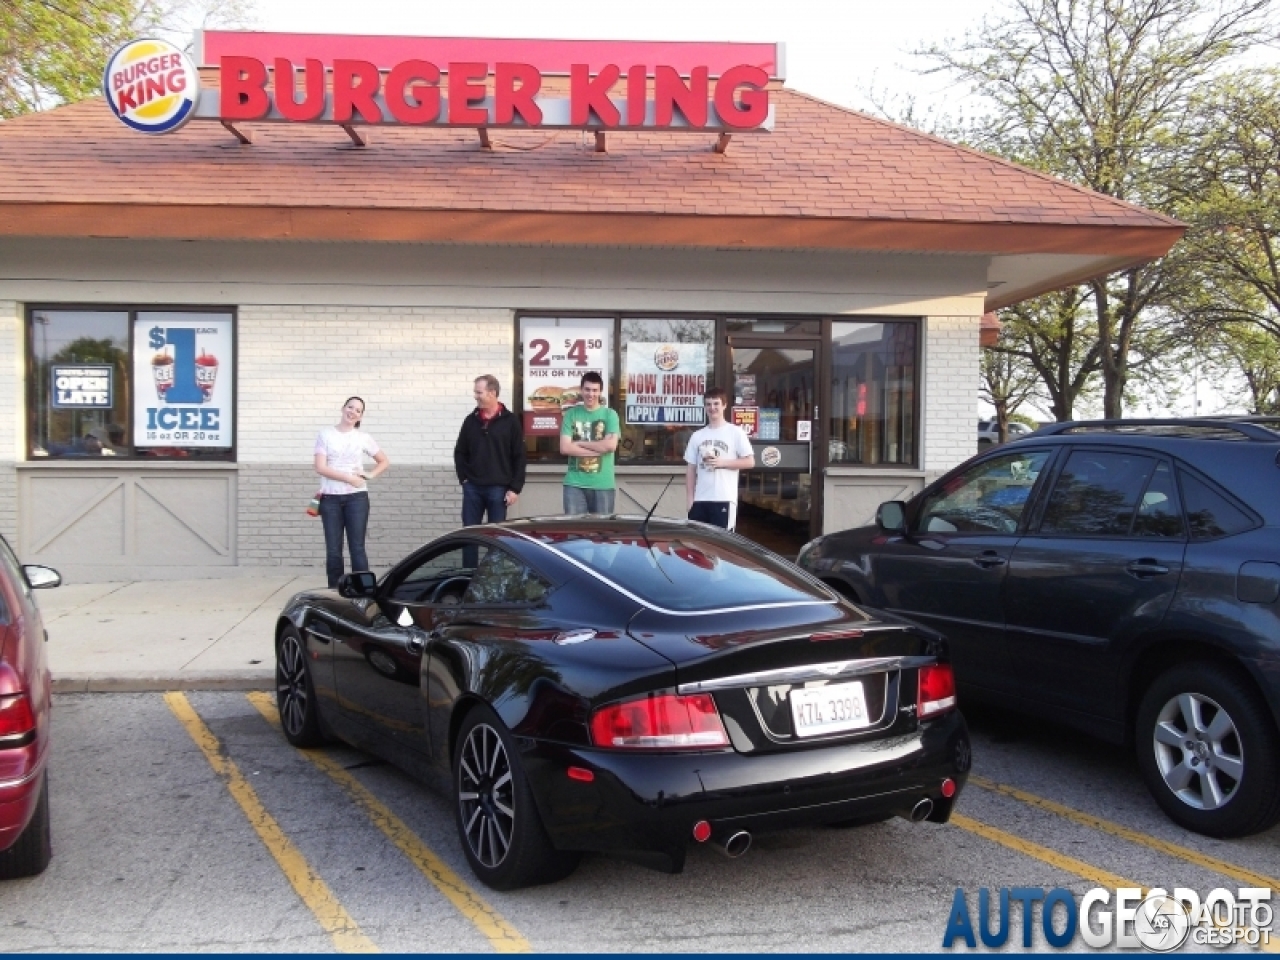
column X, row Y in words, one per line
column 988, row 559
column 1146, row 568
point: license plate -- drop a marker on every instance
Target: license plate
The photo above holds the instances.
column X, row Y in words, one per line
column 829, row 709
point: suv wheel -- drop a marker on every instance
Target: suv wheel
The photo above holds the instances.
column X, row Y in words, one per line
column 1209, row 752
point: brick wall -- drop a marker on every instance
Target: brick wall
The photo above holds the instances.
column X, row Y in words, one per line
column 11, row 414
column 950, row 383
column 413, row 366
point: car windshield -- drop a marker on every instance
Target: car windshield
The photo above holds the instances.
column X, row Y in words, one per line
column 682, row 571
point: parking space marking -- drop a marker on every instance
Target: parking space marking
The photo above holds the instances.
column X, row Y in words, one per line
column 313, row 891
column 1243, row 874
column 499, row 932
column 1086, row 871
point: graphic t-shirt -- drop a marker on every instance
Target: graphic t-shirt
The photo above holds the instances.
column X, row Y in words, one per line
column 344, row 452
column 727, row 442
column 580, row 424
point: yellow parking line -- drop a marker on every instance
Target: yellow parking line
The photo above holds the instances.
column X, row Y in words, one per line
column 315, row 893
column 1244, row 875
column 1086, row 871
column 504, row 937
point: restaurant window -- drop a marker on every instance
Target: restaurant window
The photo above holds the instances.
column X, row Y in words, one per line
column 116, row 382
column 874, row 384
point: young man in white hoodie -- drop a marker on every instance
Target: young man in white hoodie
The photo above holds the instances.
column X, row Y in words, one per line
column 714, row 456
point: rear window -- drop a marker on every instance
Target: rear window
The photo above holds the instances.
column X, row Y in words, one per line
column 1210, row 514
column 689, row 574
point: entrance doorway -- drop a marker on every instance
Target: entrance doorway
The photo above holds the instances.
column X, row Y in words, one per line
column 775, row 399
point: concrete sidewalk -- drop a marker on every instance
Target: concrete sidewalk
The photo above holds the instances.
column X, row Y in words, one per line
column 168, row 634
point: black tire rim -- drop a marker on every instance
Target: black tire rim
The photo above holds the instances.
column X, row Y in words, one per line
column 1198, row 751
column 291, row 685
column 486, row 795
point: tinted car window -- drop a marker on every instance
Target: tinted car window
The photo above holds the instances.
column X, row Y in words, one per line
column 1209, row 512
column 1159, row 512
column 441, row 576
column 688, row 573
column 1097, row 493
column 501, row 578
column 987, row 498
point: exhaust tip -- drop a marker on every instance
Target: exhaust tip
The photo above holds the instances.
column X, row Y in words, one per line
column 921, row 810
column 734, row 845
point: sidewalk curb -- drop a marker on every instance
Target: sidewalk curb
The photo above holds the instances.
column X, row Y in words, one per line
column 136, row 684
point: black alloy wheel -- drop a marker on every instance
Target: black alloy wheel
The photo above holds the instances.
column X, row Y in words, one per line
column 34, row 848
column 498, row 823
column 295, row 696
column 1209, row 751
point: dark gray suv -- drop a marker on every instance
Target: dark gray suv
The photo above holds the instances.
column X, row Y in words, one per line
column 1122, row 577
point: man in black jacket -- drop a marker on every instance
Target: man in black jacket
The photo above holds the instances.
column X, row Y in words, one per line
column 489, row 456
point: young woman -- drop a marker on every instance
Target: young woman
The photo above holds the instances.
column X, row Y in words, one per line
column 344, row 501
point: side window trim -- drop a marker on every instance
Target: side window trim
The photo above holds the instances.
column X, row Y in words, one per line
column 1177, row 488
column 388, row 586
column 1034, row 498
column 1182, row 466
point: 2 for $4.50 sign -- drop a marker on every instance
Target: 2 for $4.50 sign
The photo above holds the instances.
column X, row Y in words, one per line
column 555, row 358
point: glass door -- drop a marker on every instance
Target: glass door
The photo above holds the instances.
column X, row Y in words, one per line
column 775, row 399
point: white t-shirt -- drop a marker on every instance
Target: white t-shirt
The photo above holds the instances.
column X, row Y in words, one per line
column 344, row 452
column 727, row 442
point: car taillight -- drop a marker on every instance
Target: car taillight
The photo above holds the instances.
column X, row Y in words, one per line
column 16, row 718
column 659, row 722
column 937, row 692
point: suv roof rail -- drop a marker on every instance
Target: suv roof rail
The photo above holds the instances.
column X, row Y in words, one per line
column 1207, row 428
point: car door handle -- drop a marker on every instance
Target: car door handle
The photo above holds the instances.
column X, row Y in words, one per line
column 416, row 642
column 988, row 559
column 1143, row 569
column 320, row 631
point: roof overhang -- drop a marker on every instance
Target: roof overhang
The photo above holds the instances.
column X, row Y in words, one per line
column 1026, row 259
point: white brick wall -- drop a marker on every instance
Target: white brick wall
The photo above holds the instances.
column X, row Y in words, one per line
column 950, row 384
column 11, row 414
column 414, row 367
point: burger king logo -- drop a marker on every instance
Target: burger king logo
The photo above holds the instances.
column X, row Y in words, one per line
column 151, row 85
column 666, row 358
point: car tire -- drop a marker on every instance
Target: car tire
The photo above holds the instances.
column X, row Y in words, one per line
column 498, row 822
column 1209, row 752
column 31, row 853
column 295, row 693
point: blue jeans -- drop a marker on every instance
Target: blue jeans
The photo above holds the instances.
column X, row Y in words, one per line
column 341, row 512
column 478, row 499
column 580, row 500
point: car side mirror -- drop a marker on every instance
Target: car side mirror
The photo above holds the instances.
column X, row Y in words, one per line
column 41, row 578
column 891, row 517
column 362, row 583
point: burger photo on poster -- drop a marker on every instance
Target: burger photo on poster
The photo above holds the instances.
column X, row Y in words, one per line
column 570, row 396
column 545, row 399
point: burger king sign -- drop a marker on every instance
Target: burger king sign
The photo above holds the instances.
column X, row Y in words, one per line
column 151, row 85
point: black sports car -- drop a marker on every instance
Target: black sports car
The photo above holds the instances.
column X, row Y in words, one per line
column 612, row 685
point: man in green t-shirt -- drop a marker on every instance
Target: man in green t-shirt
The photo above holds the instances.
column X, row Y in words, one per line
column 588, row 437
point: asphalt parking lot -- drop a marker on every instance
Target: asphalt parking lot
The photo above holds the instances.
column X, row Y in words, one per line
column 185, row 822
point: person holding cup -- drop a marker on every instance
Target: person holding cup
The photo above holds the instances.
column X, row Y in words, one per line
column 344, row 496
column 714, row 456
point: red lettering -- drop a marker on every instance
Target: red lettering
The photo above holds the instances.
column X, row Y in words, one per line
column 510, row 99
column 466, row 86
column 355, row 84
column 242, row 96
column 125, row 100
column 589, row 95
column 425, row 105
column 286, row 83
column 752, row 108
column 155, row 88
column 177, row 80
column 637, row 88
column 669, row 91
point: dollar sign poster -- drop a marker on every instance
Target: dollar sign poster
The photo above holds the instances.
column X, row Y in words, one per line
column 183, row 380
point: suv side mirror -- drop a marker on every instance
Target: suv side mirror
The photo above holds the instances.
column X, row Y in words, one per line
column 359, row 584
column 891, row 517
column 41, row 578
